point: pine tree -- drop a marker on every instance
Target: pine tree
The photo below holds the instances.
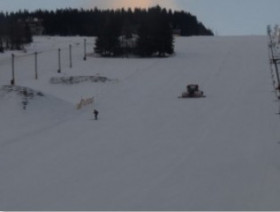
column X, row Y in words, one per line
column 163, row 35
column 155, row 34
column 107, row 42
column 1, row 45
column 144, row 46
column 27, row 34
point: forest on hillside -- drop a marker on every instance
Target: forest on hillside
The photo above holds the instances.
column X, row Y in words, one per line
column 17, row 27
column 88, row 22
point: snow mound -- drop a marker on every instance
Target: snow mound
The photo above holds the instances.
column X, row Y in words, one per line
column 26, row 94
column 35, row 101
column 27, row 111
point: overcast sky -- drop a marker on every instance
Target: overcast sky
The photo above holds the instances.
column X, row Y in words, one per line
column 224, row 17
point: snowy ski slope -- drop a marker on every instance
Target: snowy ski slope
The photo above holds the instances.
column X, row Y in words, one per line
column 149, row 150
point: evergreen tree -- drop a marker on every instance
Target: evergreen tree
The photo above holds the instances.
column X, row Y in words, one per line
column 155, row 34
column 163, row 35
column 1, row 45
column 165, row 40
column 107, row 42
column 1, row 33
column 145, row 45
column 27, row 34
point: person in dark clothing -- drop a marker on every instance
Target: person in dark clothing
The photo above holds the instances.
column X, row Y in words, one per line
column 95, row 112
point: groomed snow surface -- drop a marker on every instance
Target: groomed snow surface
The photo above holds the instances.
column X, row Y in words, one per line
column 149, row 150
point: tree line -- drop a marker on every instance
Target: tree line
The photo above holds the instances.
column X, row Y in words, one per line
column 91, row 22
column 152, row 35
column 14, row 33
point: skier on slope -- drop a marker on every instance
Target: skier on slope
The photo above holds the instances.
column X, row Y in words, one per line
column 95, row 112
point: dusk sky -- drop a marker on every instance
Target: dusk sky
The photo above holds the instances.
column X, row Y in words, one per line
column 223, row 17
